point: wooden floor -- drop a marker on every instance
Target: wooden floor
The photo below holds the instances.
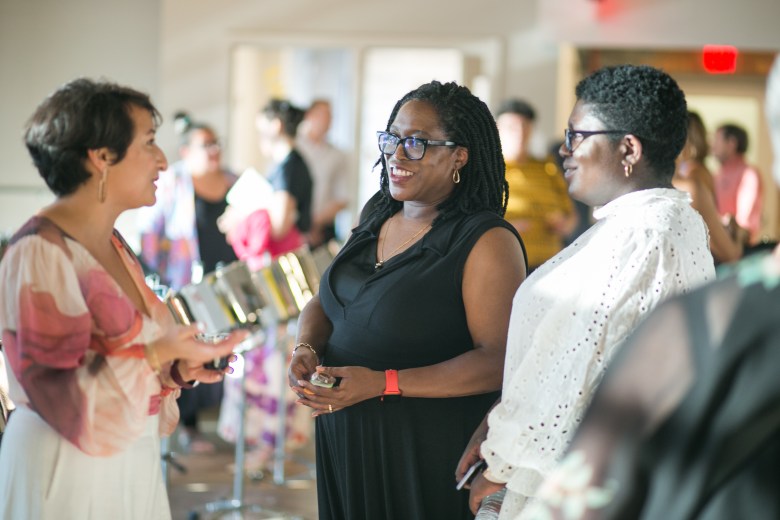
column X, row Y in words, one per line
column 209, row 478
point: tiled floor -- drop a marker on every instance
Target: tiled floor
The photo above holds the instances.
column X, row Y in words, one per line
column 209, row 478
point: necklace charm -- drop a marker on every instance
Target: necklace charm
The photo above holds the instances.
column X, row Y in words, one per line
column 381, row 262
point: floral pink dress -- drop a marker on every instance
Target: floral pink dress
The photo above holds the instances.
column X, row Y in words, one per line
column 84, row 439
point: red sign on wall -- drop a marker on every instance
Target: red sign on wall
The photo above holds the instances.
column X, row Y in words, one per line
column 719, row 59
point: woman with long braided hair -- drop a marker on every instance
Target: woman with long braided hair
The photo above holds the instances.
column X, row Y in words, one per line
column 412, row 315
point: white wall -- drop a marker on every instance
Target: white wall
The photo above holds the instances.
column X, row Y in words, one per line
column 178, row 50
column 45, row 43
column 198, row 36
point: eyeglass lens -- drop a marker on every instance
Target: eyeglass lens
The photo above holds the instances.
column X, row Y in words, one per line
column 414, row 148
column 568, row 138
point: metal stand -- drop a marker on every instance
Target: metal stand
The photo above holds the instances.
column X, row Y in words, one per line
column 237, row 504
column 280, row 454
column 168, row 458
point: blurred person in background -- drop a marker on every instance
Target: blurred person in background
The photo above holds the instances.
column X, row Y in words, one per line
column 275, row 216
column 693, row 177
column 737, row 183
column 180, row 241
column 271, row 222
column 539, row 205
column 329, row 168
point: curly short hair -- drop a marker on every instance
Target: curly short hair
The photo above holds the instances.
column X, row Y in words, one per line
column 643, row 101
column 467, row 120
column 79, row 116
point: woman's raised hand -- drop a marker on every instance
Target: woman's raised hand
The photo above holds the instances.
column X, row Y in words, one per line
column 180, row 342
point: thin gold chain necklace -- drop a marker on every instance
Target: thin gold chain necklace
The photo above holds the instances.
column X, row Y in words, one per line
column 381, row 262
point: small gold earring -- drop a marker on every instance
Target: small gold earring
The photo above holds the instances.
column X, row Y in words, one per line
column 628, row 169
column 102, row 186
column 456, row 176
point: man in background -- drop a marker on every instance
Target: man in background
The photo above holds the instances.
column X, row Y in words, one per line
column 539, row 205
column 737, row 184
column 329, row 170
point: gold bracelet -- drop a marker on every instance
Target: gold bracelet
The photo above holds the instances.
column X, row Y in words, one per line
column 299, row 345
column 152, row 359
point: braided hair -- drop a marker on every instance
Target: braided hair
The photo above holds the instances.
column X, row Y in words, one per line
column 467, row 120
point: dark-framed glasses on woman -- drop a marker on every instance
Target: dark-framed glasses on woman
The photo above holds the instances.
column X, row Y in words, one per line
column 414, row 147
column 573, row 138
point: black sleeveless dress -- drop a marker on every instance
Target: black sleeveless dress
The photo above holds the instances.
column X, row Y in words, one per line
column 395, row 458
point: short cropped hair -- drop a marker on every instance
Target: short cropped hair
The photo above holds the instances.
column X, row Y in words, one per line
column 736, row 132
column 643, row 101
column 519, row 107
column 79, row 116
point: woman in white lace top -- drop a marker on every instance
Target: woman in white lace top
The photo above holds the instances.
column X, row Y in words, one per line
column 572, row 314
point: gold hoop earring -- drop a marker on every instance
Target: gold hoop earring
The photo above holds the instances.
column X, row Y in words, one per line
column 102, row 186
column 456, row 176
column 628, row 169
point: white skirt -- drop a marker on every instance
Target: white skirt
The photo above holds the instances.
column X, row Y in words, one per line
column 44, row 476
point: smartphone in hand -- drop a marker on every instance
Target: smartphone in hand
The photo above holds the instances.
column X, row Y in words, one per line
column 470, row 474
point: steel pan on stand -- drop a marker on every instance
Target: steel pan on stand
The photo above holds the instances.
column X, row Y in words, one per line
column 226, row 300
column 285, row 287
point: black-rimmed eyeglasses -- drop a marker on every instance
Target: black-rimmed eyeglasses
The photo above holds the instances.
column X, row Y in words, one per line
column 414, row 147
column 573, row 138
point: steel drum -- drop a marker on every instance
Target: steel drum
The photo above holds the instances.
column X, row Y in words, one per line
column 233, row 296
column 271, row 282
column 200, row 303
column 235, row 286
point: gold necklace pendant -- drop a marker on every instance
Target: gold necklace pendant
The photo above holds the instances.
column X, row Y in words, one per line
column 381, row 261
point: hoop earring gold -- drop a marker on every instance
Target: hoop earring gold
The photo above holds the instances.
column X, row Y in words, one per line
column 102, row 186
column 456, row 176
column 628, row 169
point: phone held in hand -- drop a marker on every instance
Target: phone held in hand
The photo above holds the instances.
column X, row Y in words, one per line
column 323, row 380
column 470, row 474
column 213, row 338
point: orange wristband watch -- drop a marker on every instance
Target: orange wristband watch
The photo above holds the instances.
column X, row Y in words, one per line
column 391, row 383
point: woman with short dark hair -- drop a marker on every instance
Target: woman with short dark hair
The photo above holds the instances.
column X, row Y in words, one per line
column 687, row 421
column 96, row 360
column 573, row 313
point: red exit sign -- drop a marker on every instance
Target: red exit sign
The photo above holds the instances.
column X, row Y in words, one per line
column 719, row 59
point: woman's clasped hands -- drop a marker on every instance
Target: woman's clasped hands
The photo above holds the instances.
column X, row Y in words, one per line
column 355, row 384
